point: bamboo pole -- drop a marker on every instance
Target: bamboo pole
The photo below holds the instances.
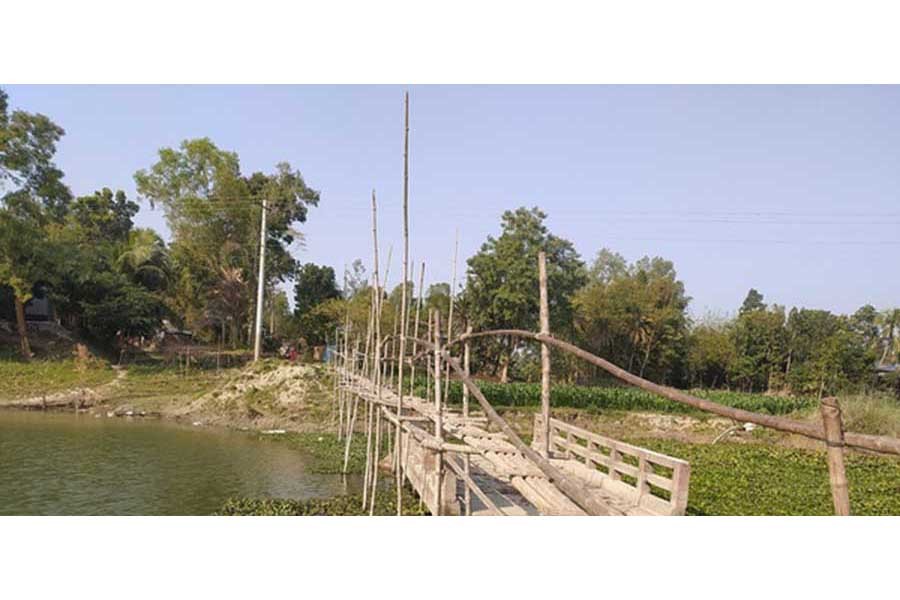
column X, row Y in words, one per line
column 403, row 329
column 412, row 371
column 377, row 313
column 834, row 444
column 438, row 407
column 572, row 488
column 545, row 355
column 875, row 443
column 450, row 315
column 427, row 366
column 467, row 352
column 367, row 472
column 376, row 454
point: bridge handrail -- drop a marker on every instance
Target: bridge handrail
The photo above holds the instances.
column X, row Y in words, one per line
column 874, row 443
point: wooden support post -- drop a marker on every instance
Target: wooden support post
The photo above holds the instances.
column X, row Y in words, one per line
column 834, row 442
column 545, row 354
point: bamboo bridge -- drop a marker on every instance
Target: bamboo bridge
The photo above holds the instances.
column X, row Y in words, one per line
column 480, row 472
column 460, row 461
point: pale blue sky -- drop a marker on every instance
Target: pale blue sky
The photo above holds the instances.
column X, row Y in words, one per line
column 792, row 190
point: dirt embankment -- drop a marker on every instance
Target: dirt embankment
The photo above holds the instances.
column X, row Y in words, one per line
column 269, row 395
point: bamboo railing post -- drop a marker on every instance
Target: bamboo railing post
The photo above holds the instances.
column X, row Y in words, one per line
column 545, row 356
column 834, row 443
column 467, row 353
column 427, row 368
column 438, row 407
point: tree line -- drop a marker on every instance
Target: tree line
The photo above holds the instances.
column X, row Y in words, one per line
column 635, row 314
column 107, row 279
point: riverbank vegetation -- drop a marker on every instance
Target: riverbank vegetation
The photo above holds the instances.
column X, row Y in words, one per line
column 345, row 506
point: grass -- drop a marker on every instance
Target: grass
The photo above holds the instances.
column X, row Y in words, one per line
column 156, row 384
column 756, row 479
column 28, row 379
column 877, row 415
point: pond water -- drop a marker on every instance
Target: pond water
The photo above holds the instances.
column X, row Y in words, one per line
column 67, row 464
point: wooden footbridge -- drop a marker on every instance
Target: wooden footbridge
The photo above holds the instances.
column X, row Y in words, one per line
column 469, row 469
column 472, row 462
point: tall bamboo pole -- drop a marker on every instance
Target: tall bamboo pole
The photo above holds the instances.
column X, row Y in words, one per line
column 545, row 355
column 834, row 434
column 403, row 331
column 467, row 354
column 378, row 297
column 438, row 407
column 412, row 370
column 351, row 423
column 450, row 315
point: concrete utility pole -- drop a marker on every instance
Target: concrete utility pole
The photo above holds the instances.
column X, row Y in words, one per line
column 260, row 284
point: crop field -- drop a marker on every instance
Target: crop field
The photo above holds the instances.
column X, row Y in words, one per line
column 621, row 398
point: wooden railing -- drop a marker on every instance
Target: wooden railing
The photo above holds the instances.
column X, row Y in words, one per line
column 654, row 482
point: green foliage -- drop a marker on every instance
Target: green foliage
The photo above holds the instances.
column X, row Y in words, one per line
column 635, row 315
column 502, row 286
column 753, row 479
column 347, row 506
column 711, row 353
column 214, row 214
column 315, row 285
column 519, row 394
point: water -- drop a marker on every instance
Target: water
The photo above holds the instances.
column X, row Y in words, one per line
column 66, row 464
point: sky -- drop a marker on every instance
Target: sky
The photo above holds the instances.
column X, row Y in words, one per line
column 791, row 190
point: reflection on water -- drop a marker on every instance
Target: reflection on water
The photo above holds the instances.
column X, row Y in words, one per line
column 66, row 464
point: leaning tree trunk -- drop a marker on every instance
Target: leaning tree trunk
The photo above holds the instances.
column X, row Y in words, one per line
column 24, row 346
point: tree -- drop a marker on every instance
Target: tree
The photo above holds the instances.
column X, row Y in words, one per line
column 355, row 278
column 104, row 216
column 214, row 212
column 759, row 340
column 313, row 284
column 711, row 354
column 634, row 314
column 25, row 258
column 753, row 301
column 502, row 281
column 438, row 298
column 32, row 196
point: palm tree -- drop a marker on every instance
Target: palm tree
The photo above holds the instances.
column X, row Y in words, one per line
column 889, row 321
column 146, row 259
